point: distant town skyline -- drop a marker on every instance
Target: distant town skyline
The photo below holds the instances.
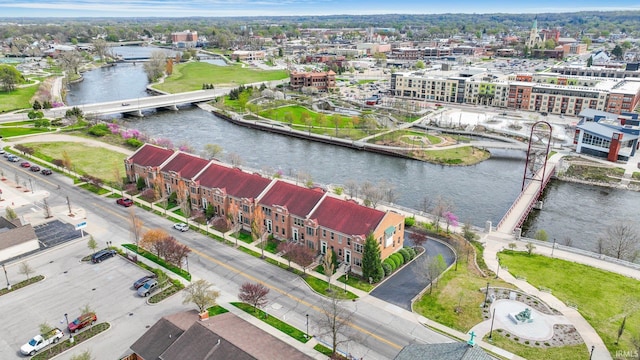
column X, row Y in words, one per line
column 228, row 8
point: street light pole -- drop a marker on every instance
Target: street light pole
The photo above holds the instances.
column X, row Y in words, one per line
column 187, row 258
column 307, row 326
column 591, row 355
column 493, row 317
column 6, row 277
column 486, row 297
column 553, row 247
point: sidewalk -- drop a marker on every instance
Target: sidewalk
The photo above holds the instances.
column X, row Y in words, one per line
column 496, row 242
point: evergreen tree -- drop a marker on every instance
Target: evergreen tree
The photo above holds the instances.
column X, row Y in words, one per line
column 371, row 262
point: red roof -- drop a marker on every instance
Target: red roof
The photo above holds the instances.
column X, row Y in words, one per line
column 186, row 165
column 298, row 200
column 347, row 217
column 150, row 155
column 237, row 183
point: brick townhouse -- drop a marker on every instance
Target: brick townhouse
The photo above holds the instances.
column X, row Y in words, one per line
column 309, row 217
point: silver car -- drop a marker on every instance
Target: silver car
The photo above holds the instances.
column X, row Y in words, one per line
column 148, row 287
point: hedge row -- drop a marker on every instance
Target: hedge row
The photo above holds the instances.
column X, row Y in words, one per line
column 396, row 260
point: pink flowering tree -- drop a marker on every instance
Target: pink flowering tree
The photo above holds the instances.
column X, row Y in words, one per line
column 165, row 143
column 451, row 219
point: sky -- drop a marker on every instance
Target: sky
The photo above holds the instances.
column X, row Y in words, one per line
column 226, row 8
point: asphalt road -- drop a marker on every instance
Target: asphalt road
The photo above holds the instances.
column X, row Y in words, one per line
column 409, row 281
column 377, row 330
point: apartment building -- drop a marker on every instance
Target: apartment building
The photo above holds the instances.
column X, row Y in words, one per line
column 541, row 92
column 242, row 55
column 309, row 217
column 184, row 39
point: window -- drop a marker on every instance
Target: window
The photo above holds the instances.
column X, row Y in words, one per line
column 357, row 261
column 310, row 231
column 358, row 248
column 324, row 233
column 331, row 236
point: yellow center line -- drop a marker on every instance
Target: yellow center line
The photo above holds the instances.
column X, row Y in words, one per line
column 252, row 278
column 301, row 301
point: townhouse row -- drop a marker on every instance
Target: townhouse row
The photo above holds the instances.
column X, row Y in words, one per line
column 310, row 217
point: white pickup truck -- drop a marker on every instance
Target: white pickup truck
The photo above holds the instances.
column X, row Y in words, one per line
column 41, row 341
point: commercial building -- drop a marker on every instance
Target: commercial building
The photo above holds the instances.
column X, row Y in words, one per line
column 607, row 135
column 241, row 55
column 323, row 81
column 184, row 39
column 312, row 217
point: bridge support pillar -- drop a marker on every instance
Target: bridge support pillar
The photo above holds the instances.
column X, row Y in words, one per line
column 172, row 107
column 136, row 113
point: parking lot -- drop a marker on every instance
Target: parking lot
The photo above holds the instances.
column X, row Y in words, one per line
column 69, row 285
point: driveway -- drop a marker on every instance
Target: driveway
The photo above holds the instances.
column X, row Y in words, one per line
column 409, row 281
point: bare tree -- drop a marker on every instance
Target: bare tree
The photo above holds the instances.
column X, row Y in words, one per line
column 441, row 207
column 303, row 256
column 25, row 269
column 335, row 320
column 388, row 191
column 70, row 61
column 434, row 267
column 351, row 188
column 211, row 151
column 101, row 48
column 201, row 294
column 327, row 266
column 135, row 226
column 154, row 68
column 287, row 249
column 235, row 159
column 254, row 294
column 621, row 241
column 371, row 194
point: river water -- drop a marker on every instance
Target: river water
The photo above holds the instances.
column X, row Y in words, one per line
column 479, row 193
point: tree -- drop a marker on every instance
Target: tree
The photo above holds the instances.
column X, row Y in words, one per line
column 66, row 160
column 621, row 241
column 541, row 235
column 10, row 214
column 434, row 267
column 155, row 66
column 530, row 247
column 45, row 330
column 467, row 232
column 70, row 61
column 174, row 251
column 441, row 207
column 101, row 48
column 303, row 256
column 371, row 262
column 25, row 269
column 418, row 238
column 590, row 61
column 336, row 119
column 233, row 219
column 201, row 294
column 9, row 77
column 135, row 225
column 328, row 266
column 287, row 249
column 257, row 227
column 617, row 51
column 419, row 64
column 334, row 320
column 450, row 219
column 212, row 150
column 169, row 67
column 152, row 241
column 92, row 244
column 305, row 118
column 254, row 294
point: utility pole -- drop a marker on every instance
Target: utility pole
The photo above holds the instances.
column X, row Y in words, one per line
column 69, row 204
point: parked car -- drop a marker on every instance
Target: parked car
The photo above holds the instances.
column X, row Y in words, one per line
column 41, row 341
column 82, row 321
column 102, row 255
column 142, row 280
column 25, row 164
column 148, row 287
column 2, row 151
column 124, row 202
column 46, row 172
column 13, row 158
column 181, row 227
column 35, row 168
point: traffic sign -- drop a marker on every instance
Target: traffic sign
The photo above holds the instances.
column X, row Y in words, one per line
column 81, row 225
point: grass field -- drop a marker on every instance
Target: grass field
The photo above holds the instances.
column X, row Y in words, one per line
column 8, row 132
column 17, row 99
column 94, row 161
column 602, row 297
column 457, row 156
column 191, row 76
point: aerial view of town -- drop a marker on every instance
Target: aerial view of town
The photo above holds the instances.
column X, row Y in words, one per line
column 319, row 180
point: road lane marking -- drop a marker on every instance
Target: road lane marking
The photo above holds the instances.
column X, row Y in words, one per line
column 252, row 278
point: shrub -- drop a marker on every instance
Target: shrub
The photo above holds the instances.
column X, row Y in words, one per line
column 405, row 255
column 134, row 142
column 99, row 130
column 390, row 263
column 387, row 269
column 394, row 259
column 141, row 184
column 411, row 251
column 398, row 258
column 408, row 222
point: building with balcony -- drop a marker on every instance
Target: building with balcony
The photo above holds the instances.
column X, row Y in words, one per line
column 323, row 81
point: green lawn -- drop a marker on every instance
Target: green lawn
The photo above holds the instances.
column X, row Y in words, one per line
column 572, row 352
column 296, row 111
column 18, row 123
column 17, row 99
column 467, row 155
column 191, row 76
column 95, row 161
column 273, row 321
column 8, row 132
column 602, row 297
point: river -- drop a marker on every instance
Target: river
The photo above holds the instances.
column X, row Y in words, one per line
column 479, row 193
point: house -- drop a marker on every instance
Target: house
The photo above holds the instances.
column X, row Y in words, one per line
column 446, row 351
column 178, row 173
column 222, row 337
column 16, row 239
